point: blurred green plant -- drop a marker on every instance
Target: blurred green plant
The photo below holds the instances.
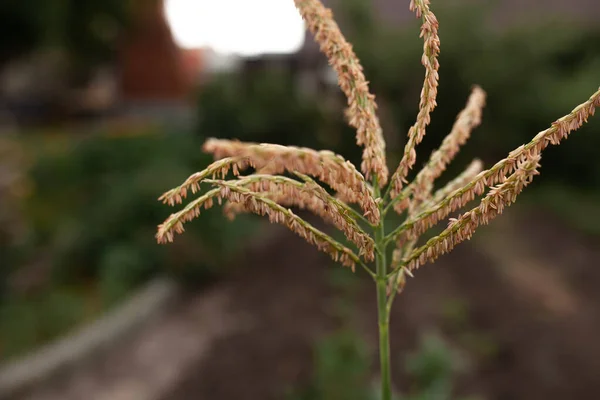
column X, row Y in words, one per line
column 342, row 367
column 267, row 104
column 432, row 369
column 455, row 314
column 342, row 362
column 94, row 201
column 90, row 217
column 29, row 320
column 577, row 209
column 341, row 370
column 11, row 190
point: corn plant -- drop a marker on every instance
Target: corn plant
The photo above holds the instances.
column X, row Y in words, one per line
column 357, row 202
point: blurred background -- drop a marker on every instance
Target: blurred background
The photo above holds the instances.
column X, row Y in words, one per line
column 105, row 104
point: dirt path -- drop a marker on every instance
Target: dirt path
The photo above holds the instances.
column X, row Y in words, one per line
column 145, row 367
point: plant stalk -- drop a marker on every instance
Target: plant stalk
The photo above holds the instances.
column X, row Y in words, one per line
column 383, row 314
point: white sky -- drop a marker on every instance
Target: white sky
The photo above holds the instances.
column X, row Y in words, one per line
column 244, row 27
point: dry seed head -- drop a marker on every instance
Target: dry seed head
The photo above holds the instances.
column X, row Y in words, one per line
column 324, row 165
column 261, row 205
column 361, row 110
column 467, row 120
column 310, row 196
column 520, row 166
column 336, row 200
column 461, row 180
column 431, row 50
column 174, row 224
column 403, row 248
column 560, row 129
column 218, row 168
column 462, row 228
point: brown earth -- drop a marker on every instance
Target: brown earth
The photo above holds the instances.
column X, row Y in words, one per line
column 520, row 302
column 528, row 292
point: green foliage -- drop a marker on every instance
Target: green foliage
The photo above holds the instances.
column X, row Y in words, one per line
column 431, row 370
column 94, row 204
column 341, row 370
column 263, row 105
column 121, row 268
column 26, row 321
column 268, row 106
column 578, row 209
column 91, row 219
column 455, row 312
column 342, row 361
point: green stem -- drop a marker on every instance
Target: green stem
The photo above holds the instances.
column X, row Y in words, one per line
column 395, row 273
column 383, row 314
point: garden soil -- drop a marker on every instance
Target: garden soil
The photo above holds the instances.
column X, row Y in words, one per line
column 520, row 303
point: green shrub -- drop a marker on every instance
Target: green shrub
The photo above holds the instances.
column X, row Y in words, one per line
column 94, row 206
column 341, row 369
column 121, row 268
column 342, row 363
column 27, row 321
column 266, row 104
column 432, row 368
column 91, row 219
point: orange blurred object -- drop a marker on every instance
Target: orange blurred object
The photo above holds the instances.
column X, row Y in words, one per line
column 152, row 66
